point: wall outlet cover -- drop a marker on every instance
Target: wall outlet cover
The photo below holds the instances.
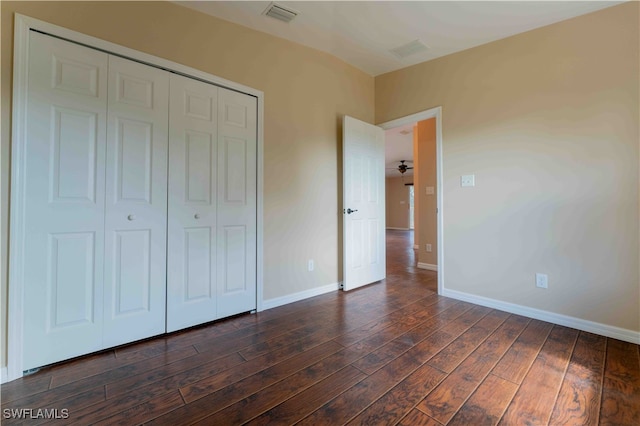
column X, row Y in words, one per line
column 542, row 280
column 468, row 180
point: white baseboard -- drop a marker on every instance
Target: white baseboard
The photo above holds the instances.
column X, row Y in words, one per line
column 565, row 320
column 3, row 375
column 427, row 266
column 397, row 229
column 416, row 247
column 295, row 297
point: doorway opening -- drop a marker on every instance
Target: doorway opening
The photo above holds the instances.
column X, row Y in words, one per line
column 414, row 218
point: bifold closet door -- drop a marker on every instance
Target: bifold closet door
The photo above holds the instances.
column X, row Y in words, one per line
column 237, row 202
column 212, row 203
column 136, row 202
column 64, row 201
column 108, row 196
column 192, row 232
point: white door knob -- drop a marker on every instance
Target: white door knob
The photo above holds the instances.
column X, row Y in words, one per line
column 197, row 216
column 131, row 217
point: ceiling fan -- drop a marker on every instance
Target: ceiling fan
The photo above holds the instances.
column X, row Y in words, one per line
column 402, row 168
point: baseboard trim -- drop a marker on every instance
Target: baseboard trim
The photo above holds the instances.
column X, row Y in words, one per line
column 428, row 266
column 416, row 247
column 296, row 297
column 559, row 319
column 3, row 375
column 397, row 229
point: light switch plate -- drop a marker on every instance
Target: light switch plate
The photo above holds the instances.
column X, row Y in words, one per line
column 430, row 190
column 468, row 180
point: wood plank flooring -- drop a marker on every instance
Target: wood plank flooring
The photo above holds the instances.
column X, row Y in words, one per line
column 390, row 353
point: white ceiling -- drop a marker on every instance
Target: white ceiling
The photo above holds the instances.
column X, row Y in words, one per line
column 362, row 32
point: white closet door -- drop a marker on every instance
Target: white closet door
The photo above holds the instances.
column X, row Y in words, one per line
column 193, row 149
column 237, row 233
column 64, row 203
column 136, row 202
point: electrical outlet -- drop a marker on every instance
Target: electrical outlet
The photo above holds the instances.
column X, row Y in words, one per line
column 542, row 280
column 429, row 248
column 310, row 265
column 468, row 180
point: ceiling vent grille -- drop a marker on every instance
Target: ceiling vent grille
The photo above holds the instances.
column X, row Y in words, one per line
column 409, row 49
column 406, row 132
column 280, row 12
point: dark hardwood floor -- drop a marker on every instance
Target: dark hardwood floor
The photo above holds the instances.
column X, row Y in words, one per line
column 390, row 353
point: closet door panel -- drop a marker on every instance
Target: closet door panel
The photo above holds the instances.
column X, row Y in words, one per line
column 136, row 202
column 191, row 273
column 236, row 219
column 64, row 202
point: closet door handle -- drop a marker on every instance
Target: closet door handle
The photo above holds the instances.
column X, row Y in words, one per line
column 131, row 217
column 196, row 216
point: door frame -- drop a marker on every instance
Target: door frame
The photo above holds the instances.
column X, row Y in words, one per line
column 22, row 26
column 436, row 113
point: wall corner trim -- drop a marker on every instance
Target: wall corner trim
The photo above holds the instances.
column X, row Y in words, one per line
column 301, row 295
column 427, row 266
column 552, row 317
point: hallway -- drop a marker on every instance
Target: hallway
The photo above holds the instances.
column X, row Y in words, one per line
column 401, row 261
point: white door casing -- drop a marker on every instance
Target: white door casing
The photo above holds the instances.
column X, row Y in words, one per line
column 192, row 231
column 363, row 189
column 237, row 189
column 136, row 202
column 64, row 212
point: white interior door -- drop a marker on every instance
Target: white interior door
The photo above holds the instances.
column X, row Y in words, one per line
column 192, row 232
column 237, row 189
column 364, row 203
column 136, row 202
column 64, row 209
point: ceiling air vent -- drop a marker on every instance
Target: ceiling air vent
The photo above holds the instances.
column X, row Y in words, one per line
column 406, row 132
column 280, row 12
column 409, row 49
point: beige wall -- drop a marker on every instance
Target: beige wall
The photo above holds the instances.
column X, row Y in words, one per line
column 548, row 122
column 306, row 92
column 426, row 131
column 397, row 198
